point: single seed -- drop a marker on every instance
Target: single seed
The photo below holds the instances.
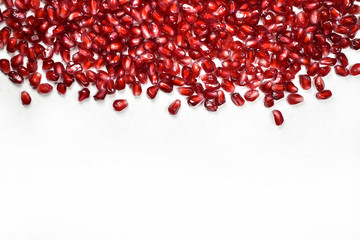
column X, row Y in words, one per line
column 174, row 107
column 325, row 94
column 44, row 88
column 120, row 105
column 278, row 117
column 25, row 98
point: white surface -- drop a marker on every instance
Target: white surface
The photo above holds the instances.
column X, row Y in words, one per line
column 82, row 171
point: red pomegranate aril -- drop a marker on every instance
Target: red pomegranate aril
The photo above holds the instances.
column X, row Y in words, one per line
column 251, row 95
column 291, row 88
column 120, row 104
column 319, row 83
column 61, row 88
column 35, row 79
column 16, row 61
column 294, row 98
column 324, row 71
column 15, row 77
column 165, row 87
column 278, row 117
column 341, row 71
column 174, row 107
column 11, row 46
column 25, row 98
column 268, row 101
column 237, row 99
column 194, row 100
column 210, row 106
column 44, row 88
column 83, row 94
column 305, row 82
column 186, row 91
column 136, row 88
column 5, row 66
column 355, row 69
column 152, row 92
column 325, row 94
column 52, row 76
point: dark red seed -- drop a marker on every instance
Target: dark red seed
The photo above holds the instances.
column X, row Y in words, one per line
column 35, row 79
column 152, row 91
column 294, row 98
column 61, row 88
column 120, row 105
column 268, row 101
column 237, row 99
column 15, row 77
column 278, row 117
column 174, row 107
column 325, row 94
column 194, row 100
column 5, row 66
column 251, row 95
column 25, row 98
column 341, row 71
column 319, row 83
column 355, row 69
column 210, row 106
column 83, row 94
column 305, row 82
column 44, row 88
column 136, row 88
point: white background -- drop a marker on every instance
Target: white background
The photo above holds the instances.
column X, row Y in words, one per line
column 72, row 170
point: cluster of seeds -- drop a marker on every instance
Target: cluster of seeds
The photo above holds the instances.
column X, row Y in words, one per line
column 204, row 49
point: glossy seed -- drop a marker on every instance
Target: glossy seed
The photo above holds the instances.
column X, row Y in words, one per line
column 120, row 104
column 25, row 98
column 174, row 107
column 325, row 94
column 278, row 117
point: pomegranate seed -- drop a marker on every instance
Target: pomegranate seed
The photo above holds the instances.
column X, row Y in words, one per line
column 136, row 88
column 251, row 95
column 195, row 100
column 25, row 98
column 325, row 94
column 35, row 79
column 174, row 107
column 152, row 91
column 278, row 117
column 83, row 94
column 5, row 66
column 268, row 101
column 61, row 88
column 44, row 88
column 319, row 83
column 355, row 69
column 16, row 77
column 341, row 71
column 237, row 99
column 305, row 82
column 294, row 98
column 120, row 105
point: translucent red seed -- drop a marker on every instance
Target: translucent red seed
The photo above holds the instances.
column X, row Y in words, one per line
column 83, row 94
column 25, row 98
column 325, row 94
column 355, row 69
column 120, row 105
column 294, row 98
column 174, row 107
column 44, row 88
column 278, row 117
